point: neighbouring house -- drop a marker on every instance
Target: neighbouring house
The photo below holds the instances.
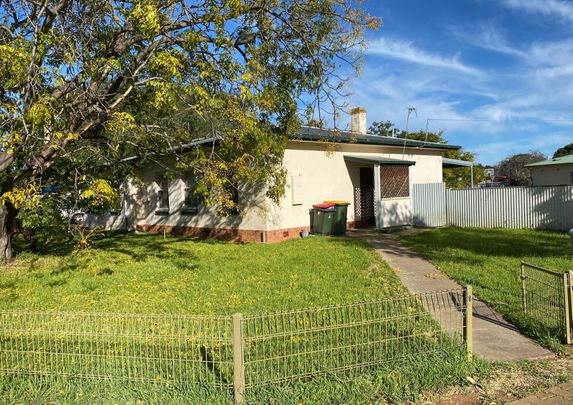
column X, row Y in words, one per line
column 492, row 179
column 374, row 173
column 552, row 172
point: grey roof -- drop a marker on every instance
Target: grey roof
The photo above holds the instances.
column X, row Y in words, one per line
column 378, row 160
column 318, row 134
column 563, row 160
column 446, row 162
column 180, row 149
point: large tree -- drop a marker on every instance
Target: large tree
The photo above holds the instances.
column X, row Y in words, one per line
column 514, row 168
column 564, row 151
column 86, row 83
column 453, row 177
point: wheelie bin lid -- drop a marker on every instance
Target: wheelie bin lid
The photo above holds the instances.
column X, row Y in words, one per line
column 336, row 202
column 324, row 205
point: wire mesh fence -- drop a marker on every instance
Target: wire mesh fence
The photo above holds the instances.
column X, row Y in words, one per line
column 234, row 353
column 158, row 348
column 290, row 345
column 546, row 298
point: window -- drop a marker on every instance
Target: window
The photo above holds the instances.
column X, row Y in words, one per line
column 235, row 210
column 571, row 180
column 191, row 202
column 395, row 181
column 235, row 199
column 162, row 195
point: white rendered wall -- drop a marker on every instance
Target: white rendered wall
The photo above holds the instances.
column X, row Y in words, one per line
column 324, row 174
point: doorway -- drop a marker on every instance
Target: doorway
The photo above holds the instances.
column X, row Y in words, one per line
column 366, row 205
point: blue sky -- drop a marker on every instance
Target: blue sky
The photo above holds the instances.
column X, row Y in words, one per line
column 507, row 64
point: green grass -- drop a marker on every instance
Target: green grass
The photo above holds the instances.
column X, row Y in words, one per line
column 147, row 274
column 489, row 260
column 391, row 383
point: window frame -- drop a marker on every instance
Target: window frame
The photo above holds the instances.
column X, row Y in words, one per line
column 189, row 185
column 162, row 182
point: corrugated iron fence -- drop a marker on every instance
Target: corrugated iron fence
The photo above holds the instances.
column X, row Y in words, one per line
column 502, row 207
column 239, row 353
column 429, row 205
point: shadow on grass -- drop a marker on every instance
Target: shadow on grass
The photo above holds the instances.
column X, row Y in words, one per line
column 138, row 247
column 498, row 242
column 178, row 251
column 489, row 260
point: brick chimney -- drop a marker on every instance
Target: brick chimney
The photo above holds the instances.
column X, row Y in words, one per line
column 358, row 120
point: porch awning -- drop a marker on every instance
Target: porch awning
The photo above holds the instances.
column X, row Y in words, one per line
column 456, row 163
column 378, row 160
column 449, row 163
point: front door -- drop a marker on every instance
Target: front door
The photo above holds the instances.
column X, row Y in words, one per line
column 366, row 207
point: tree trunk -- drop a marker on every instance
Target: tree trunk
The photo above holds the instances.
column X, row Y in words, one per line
column 7, row 216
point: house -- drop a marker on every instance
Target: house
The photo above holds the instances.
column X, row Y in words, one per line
column 374, row 173
column 553, row 172
column 492, row 179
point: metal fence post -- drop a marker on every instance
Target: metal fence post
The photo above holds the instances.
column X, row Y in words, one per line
column 566, row 307
column 468, row 320
column 523, row 290
column 570, row 300
column 238, row 360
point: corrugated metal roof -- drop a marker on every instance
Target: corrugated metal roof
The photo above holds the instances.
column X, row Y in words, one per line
column 563, row 160
column 318, row 134
column 179, row 149
column 378, row 160
column 446, row 162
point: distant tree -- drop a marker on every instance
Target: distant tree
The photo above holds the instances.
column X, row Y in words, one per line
column 514, row 167
column 453, row 177
column 564, row 151
column 381, row 128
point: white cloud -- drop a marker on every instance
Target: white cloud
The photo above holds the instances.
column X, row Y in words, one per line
column 510, row 107
column 539, row 59
column 508, row 118
column 493, row 152
column 386, row 96
column 486, row 35
column 559, row 9
column 551, row 59
column 406, row 51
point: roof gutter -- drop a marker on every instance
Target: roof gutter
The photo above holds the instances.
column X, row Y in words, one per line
column 177, row 149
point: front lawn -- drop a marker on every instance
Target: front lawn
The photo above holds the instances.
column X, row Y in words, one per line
column 150, row 274
column 489, row 260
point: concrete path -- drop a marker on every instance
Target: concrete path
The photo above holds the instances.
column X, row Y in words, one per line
column 559, row 395
column 494, row 338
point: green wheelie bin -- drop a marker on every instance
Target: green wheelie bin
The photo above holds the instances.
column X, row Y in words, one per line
column 340, row 218
column 323, row 218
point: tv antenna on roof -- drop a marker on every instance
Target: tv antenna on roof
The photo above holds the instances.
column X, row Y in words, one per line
column 410, row 111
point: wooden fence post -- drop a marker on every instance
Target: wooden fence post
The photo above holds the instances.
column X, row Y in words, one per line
column 238, row 360
column 468, row 320
column 567, row 306
column 523, row 288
